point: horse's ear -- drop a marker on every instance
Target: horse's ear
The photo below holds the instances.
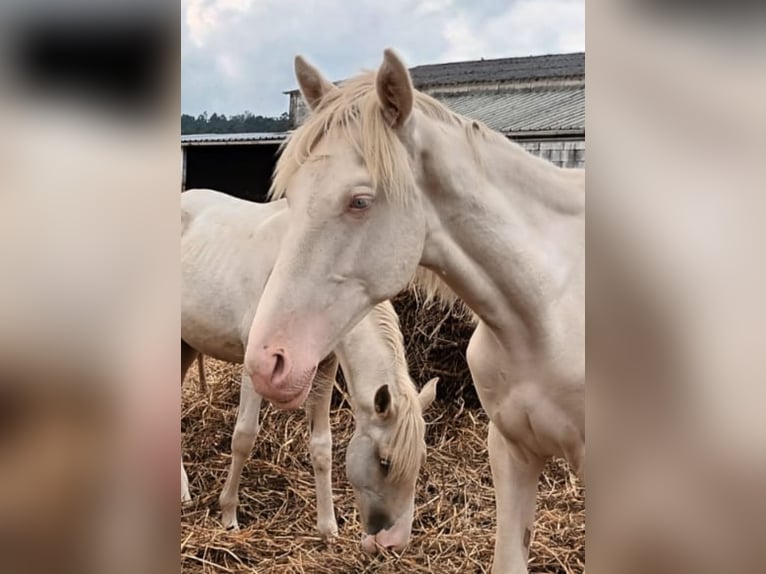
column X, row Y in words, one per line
column 382, row 401
column 395, row 91
column 428, row 393
column 312, row 83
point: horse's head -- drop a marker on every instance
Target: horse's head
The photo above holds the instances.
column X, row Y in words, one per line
column 356, row 230
column 383, row 460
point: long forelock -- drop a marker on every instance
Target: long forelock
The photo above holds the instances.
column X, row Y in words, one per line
column 408, row 439
column 352, row 112
column 408, row 442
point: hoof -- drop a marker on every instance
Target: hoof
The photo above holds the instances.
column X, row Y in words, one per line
column 229, row 520
column 328, row 532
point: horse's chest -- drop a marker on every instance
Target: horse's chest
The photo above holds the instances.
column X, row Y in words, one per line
column 533, row 404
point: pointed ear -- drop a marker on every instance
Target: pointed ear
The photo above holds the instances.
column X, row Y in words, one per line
column 312, row 83
column 382, row 401
column 395, row 91
column 428, row 393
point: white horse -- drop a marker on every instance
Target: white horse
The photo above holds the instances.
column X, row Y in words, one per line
column 382, row 179
column 228, row 249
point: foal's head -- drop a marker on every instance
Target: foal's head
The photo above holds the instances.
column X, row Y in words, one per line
column 383, row 460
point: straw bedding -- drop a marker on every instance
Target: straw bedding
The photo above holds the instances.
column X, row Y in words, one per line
column 435, row 341
column 455, row 515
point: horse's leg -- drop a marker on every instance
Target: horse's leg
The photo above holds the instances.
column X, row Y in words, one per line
column 187, row 358
column 202, row 378
column 515, row 484
column 515, row 472
column 320, row 445
column 188, row 354
column 185, row 495
column 245, row 431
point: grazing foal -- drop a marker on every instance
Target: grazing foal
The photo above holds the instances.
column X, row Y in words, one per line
column 228, row 247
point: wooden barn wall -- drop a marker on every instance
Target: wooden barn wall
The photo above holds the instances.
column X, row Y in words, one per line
column 298, row 110
column 562, row 153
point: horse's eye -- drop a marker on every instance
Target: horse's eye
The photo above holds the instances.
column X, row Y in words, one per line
column 385, row 465
column 360, row 202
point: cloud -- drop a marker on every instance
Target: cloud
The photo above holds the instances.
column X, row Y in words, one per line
column 527, row 27
column 203, row 17
column 237, row 54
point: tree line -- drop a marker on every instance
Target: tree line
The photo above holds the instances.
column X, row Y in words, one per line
column 239, row 123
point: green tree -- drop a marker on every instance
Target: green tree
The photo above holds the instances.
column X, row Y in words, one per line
column 238, row 123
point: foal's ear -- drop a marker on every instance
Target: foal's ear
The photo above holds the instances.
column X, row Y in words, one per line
column 394, row 87
column 428, row 393
column 382, row 401
column 312, row 83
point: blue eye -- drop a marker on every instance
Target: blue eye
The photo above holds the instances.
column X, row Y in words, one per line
column 360, row 202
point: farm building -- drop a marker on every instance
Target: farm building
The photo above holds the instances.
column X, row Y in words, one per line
column 538, row 101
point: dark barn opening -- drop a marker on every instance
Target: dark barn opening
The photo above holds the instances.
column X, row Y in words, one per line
column 241, row 170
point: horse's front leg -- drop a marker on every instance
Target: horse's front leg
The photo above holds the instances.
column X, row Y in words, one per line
column 245, row 430
column 515, row 471
column 515, row 484
column 185, row 494
column 320, row 445
column 188, row 354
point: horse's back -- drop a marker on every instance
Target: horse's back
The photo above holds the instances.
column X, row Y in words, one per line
column 199, row 201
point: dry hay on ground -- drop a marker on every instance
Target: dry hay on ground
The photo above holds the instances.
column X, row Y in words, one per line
column 436, row 339
column 454, row 517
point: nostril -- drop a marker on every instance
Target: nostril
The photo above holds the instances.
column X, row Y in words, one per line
column 279, row 364
column 377, row 522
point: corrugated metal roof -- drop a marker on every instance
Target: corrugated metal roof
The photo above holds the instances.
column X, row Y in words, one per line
column 515, row 111
column 231, row 139
column 500, row 70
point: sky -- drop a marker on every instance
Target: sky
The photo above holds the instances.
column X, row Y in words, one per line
column 237, row 55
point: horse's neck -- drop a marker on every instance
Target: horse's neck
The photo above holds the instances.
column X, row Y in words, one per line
column 369, row 360
column 505, row 229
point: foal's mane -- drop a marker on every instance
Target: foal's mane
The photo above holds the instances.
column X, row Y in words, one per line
column 407, row 444
column 353, row 111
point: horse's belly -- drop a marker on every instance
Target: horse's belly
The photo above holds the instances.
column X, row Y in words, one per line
column 214, row 335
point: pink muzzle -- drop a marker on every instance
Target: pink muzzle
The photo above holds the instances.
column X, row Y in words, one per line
column 395, row 538
column 275, row 377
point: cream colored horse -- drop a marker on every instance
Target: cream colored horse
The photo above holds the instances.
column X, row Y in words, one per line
column 228, row 247
column 382, row 179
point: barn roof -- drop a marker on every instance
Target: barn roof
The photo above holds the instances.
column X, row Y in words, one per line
column 500, row 70
column 231, row 139
column 532, row 96
column 497, row 70
column 520, row 112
